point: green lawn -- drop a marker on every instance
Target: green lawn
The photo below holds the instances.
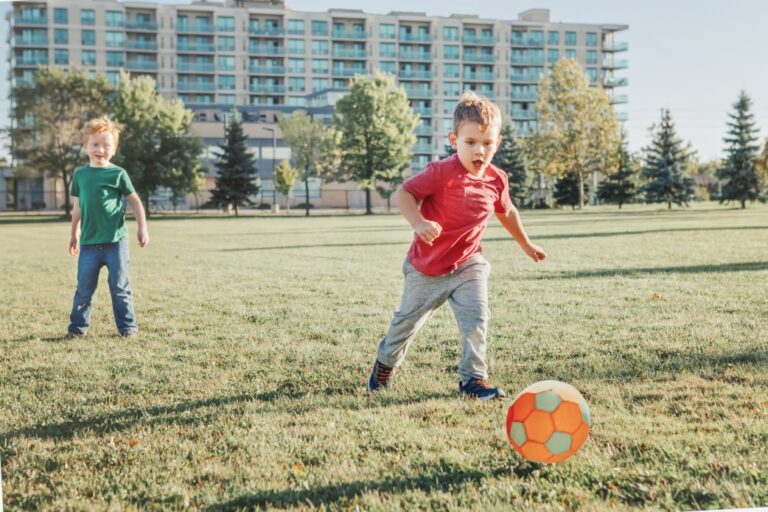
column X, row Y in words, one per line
column 246, row 387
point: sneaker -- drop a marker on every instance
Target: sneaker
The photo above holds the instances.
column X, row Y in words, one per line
column 480, row 389
column 73, row 336
column 381, row 377
column 129, row 334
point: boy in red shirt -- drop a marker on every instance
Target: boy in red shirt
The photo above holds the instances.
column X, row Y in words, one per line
column 448, row 205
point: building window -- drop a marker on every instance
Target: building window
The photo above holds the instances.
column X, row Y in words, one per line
column 60, row 16
column 319, row 28
column 451, row 88
column 591, row 38
column 297, row 101
column 387, row 31
column 115, row 59
column 226, row 43
column 570, row 38
column 226, row 63
column 451, row 51
column 592, row 74
column 296, row 27
column 553, row 37
column 388, row 67
column 61, row 36
column 536, row 36
column 319, row 47
column 319, row 66
column 591, row 57
column 296, row 46
column 387, row 50
column 225, row 24
column 113, row 77
column 227, row 99
column 227, row 82
column 88, row 58
column 297, row 65
column 451, row 33
column 318, row 84
column 570, row 54
column 552, row 56
column 114, row 39
column 87, row 17
column 296, row 84
column 88, row 37
column 114, row 18
column 61, row 56
column 452, row 70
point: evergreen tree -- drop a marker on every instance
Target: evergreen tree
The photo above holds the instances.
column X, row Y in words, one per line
column 665, row 164
column 510, row 158
column 619, row 187
column 741, row 180
column 235, row 182
column 567, row 190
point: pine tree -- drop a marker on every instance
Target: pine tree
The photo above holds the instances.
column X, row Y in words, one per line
column 741, row 180
column 567, row 190
column 235, row 182
column 619, row 187
column 510, row 158
column 666, row 161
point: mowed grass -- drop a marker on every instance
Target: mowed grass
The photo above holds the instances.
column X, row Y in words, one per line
column 246, row 387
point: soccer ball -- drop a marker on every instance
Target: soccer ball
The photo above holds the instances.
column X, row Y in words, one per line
column 548, row 421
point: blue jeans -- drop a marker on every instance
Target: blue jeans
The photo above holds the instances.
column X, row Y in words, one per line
column 92, row 257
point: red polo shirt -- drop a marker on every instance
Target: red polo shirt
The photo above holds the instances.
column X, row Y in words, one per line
column 461, row 203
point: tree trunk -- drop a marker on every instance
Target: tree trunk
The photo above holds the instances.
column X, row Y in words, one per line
column 669, row 205
column 743, row 204
column 236, row 213
column 145, row 200
column 581, row 191
column 306, row 194
column 67, row 202
column 368, row 210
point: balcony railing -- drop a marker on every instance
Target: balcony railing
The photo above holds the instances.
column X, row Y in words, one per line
column 197, row 67
column 479, row 76
column 267, row 89
column 414, row 74
column 141, row 25
column 415, row 56
column 527, row 41
column 267, row 70
column 620, row 98
column 615, row 46
column 31, row 61
column 196, row 86
column 525, row 77
column 348, row 71
column 523, row 114
column 350, row 54
column 524, row 96
column 32, row 41
column 422, row 148
column 266, row 50
column 516, row 59
column 196, row 47
column 418, row 92
column 141, row 45
column 342, row 34
column 615, row 64
column 616, row 82
column 267, row 31
column 422, row 38
column 622, row 116
column 423, row 130
column 141, row 65
column 194, row 27
column 115, row 23
column 30, row 20
column 423, row 111
column 479, row 40
column 479, row 57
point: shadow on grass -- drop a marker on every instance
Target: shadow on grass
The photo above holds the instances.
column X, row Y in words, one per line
column 561, row 236
column 749, row 266
column 34, row 219
column 179, row 414
column 441, row 477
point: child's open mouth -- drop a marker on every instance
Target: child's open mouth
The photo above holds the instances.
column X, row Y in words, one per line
column 478, row 164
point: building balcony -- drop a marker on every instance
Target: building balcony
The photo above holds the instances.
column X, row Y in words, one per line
column 523, row 114
column 620, row 98
column 527, row 60
column 30, row 61
column 30, row 20
column 266, row 32
column 115, row 23
column 138, row 65
column 348, row 71
column 350, row 54
column 525, row 77
column 141, row 25
column 615, row 82
column 196, row 67
column 524, row 96
column 195, row 27
column 481, row 40
column 141, row 45
column 616, row 64
column 196, row 47
column 527, row 41
column 114, row 44
column 423, row 130
column 487, row 93
column 266, row 50
column 615, row 46
column 267, row 89
column 267, row 70
column 196, row 86
column 622, row 116
column 423, row 111
column 422, row 148
column 342, row 34
column 415, row 56
column 479, row 76
column 418, row 92
column 388, row 55
column 419, row 38
column 479, row 57
column 31, row 41
column 415, row 74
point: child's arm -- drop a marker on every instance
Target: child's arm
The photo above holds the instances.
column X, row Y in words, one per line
column 138, row 209
column 512, row 223
column 427, row 230
column 75, row 231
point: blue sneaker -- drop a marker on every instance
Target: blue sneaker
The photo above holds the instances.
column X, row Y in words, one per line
column 381, row 377
column 480, row 389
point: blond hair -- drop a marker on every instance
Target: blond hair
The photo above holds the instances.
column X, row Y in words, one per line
column 100, row 125
column 478, row 109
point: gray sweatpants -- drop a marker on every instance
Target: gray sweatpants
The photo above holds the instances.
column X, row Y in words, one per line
column 466, row 290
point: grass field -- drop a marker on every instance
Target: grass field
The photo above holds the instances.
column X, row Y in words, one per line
column 246, row 386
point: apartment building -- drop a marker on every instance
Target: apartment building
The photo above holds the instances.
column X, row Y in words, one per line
column 264, row 56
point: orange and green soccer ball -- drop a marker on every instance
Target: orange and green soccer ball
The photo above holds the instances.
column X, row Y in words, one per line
column 548, row 421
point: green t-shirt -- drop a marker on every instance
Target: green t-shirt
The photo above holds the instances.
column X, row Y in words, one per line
column 101, row 192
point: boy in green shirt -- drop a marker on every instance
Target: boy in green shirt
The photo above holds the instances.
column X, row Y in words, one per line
column 99, row 191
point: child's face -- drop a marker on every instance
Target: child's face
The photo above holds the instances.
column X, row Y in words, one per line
column 474, row 146
column 100, row 148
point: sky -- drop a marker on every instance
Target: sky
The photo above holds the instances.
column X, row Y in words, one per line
column 692, row 57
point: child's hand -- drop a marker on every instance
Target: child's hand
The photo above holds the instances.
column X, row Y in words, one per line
column 73, row 250
column 143, row 236
column 534, row 252
column 428, row 231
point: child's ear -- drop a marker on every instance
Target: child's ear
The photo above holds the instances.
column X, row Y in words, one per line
column 452, row 140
